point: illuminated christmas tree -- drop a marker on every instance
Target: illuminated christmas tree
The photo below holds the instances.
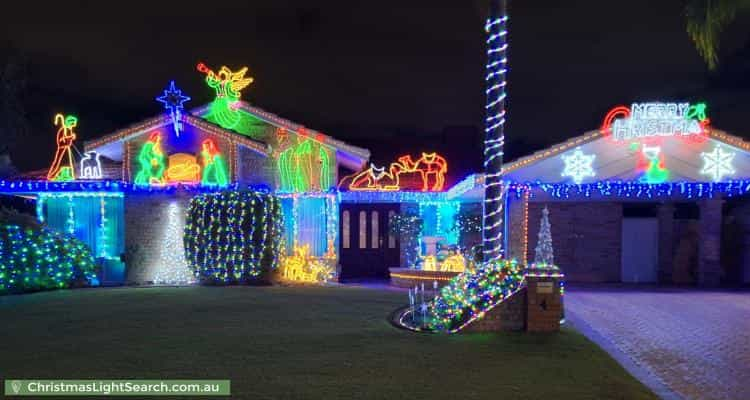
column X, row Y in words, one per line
column 544, row 253
column 173, row 268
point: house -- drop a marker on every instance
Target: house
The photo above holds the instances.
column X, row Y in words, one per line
column 653, row 196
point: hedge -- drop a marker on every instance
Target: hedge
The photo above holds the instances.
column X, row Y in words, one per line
column 38, row 258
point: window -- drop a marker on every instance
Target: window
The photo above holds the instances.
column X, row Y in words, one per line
column 374, row 226
column 345, row 220
column 639, row 210
column 391, row 236
column 362, row 229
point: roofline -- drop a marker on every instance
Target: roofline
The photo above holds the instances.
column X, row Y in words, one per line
column 162, row 120
column 477, row 178
column 279, row 122
column 590, row 136
column 552, row 151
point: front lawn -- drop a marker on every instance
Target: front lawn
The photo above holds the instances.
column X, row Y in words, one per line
column 291, row 343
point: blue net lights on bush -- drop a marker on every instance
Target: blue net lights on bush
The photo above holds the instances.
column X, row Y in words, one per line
column 34, row 259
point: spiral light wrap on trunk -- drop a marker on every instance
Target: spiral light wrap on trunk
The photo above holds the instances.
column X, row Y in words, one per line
column 494, row 192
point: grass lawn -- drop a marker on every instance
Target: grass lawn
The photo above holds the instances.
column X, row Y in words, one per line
column 291, row 343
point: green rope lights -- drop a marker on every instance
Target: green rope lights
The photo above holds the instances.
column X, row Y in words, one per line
column 151, row 160
column 224, row 110
column 65, row 175
column 214, row 167
column 326, row 178
column 305, row 167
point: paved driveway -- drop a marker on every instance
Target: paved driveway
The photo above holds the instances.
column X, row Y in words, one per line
column 696, row 343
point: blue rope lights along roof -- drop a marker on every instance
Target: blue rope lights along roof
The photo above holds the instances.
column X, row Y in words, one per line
column 556, row 190
column 12, row 186
column 636, row 189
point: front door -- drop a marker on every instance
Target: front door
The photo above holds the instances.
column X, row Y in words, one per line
column 367, row 248
column 640, row 239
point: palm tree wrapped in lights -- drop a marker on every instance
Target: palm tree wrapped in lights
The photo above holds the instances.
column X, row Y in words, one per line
column 494, row 191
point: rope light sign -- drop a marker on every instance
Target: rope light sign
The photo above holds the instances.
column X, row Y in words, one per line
column 655, row 119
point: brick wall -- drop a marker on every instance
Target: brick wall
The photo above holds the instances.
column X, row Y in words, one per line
column 516, row 227
column 545, row 308
column 586, row 237
column 145, row 222
column 510, row 315
column 255, row 169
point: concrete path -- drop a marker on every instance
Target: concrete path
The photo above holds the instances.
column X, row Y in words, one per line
column 682, row 343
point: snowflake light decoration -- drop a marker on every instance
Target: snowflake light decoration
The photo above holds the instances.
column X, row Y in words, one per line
column 717, row 163
column 173, row 100
column 578, row 165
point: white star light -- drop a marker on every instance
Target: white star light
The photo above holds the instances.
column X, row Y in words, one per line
column 717, row 163
column 578, row 165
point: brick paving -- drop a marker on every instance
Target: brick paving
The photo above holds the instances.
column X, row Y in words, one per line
column 697, row 343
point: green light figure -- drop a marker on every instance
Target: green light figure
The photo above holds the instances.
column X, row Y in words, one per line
column 214, row 169
column 297, row 166
column 697, row 111
column 655, row 172
column 151, row 160
column 227, row 85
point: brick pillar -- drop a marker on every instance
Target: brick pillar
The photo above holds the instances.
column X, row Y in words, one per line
column 709, row 242
column 666, row 241
column 544, row 304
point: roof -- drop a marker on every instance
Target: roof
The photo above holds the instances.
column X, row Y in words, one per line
column 358, row 152
column 590, row 136
column 611, row 162
column 104, row 144
column 680, row 157
column 111, row 170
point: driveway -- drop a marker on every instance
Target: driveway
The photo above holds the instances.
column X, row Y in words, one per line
column 683, row 343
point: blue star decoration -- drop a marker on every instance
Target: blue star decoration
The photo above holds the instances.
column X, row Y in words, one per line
column 173, row 100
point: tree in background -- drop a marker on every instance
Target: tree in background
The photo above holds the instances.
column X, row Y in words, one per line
column 544, row 254
column 706, row 19
column 14, row 123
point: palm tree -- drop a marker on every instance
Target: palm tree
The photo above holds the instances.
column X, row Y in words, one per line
column 706, row 19
column 494, row 193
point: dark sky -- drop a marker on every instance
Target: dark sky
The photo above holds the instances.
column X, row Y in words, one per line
column 393, row 76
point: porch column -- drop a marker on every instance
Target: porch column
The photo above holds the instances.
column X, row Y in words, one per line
column 665, row 214
column 709, row 243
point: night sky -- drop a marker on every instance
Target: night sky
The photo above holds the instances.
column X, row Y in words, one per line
column 391, row 76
